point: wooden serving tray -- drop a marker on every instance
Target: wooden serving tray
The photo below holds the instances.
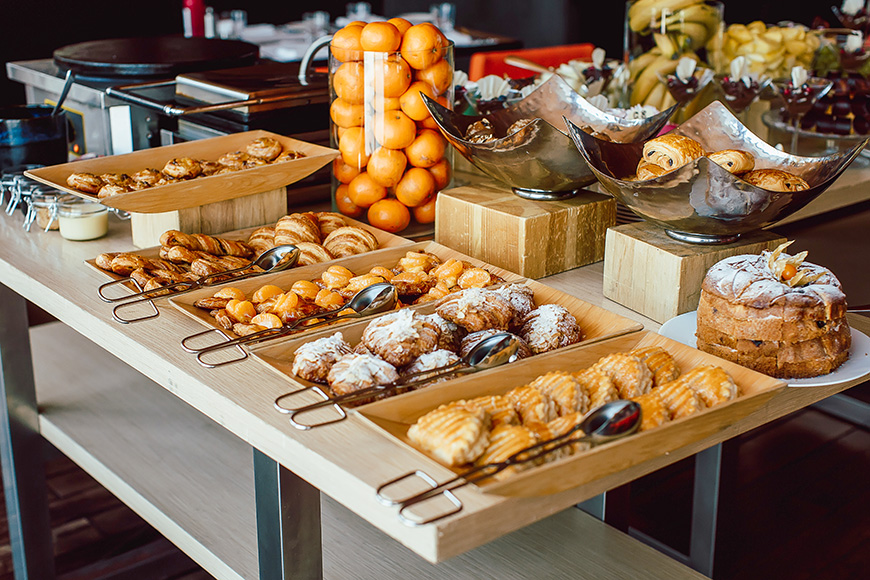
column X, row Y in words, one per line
column 392, row 417
column 596, row 322
column 194, row 192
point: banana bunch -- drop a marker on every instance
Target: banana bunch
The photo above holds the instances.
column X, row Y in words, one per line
column 677, row 26
column 770, row 50
column 645, row 73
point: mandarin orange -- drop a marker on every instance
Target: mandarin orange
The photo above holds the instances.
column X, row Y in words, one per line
column 344, row 114
column 439, row 76
column 344, row 204
column 421, row 45
column 386, row 166
column 364, row 191
column 352, row 146
column 402, row 24
column 345, row 44
column 412, row 101
column 394, row 129
column 342, row 171
column 427, row 149
column 441, row 172
column 389, row 215
column 425, row 214
column 415, row 187
column 348, row 82
column 380, row 37
column 394, row 78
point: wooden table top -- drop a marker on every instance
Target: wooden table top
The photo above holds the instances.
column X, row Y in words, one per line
column 51, row 272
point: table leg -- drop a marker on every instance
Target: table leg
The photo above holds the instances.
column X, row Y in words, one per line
column 612, row 507
column 288, row 523
column 21, row 446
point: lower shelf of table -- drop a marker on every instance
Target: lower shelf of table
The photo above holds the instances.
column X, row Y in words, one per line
column 192, row 480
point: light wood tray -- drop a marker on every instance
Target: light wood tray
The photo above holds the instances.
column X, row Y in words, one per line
column 194, row 192
column 596, row 322
column 392, row 417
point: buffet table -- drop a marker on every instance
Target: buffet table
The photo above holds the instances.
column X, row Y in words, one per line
column 173, row 440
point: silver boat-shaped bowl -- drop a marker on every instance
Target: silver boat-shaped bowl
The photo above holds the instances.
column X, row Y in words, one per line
column 701, row 202
column 539, row 161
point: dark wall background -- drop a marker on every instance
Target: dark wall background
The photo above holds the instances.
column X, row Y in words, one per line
column 35, row 29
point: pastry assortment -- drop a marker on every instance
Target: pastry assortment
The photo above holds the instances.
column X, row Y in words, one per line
column 670, row 151
column 482, row 131
column 410, row 342
column 418, row 276
column 774, row 313
column 261, row 151
column 488, row 429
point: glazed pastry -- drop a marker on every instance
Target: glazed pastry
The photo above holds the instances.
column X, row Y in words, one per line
column 104, row 260
column 413, row 283
column 183, row 168
column 210, row 168
column 600, row 387
column 647, row 171
column 86, row 182
column 450, row 335
column 265, row 148
column 452, row 434
column 653, row 412
column 354, row 372
column 561, row 426
column 311, row 253
column 401, row 336
column 312, row 360
column 296, row 227
column 116, row 178
column 205, row 243
column 350, row 240
column 328, row 222
column 663, row 366
column 679, row 399
column 629, row 373
column 471, row 340
column 123, row 264
column 501, row 409
column 288, row 156
column 480, row 132
column 775, row 180
column 532, row 405
column 255, row 162
column 712, row 384
column 505, row 441
column 671, row 151
column 417, row 262
column 733, row 160
column 566, row 391
column 235, row 160
column 476, row 309
column 110, row 189
column 521, row 298
column 548, row 327
column 149, row 176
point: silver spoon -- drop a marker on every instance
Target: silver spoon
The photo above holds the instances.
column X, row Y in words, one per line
column 606, row 423
column 373, row 299
column 490, row 352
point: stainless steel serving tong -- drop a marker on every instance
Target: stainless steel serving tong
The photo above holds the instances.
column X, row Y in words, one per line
column 272, row 260
column 490, row 352
column 373, row 299
column 605, row 423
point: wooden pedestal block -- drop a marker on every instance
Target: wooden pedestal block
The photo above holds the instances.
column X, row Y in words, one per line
column 532, row 238
column 660, row 277
column 212, row 218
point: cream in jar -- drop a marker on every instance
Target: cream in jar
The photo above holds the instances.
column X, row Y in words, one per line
column 82, row 220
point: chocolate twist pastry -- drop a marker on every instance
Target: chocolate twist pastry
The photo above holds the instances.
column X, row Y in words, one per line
column 206, row 243
column 671, row 151
column 733, row 160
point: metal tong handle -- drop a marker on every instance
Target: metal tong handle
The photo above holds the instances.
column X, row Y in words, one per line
column 154, row 314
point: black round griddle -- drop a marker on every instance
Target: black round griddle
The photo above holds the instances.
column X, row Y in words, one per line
column 155, row 57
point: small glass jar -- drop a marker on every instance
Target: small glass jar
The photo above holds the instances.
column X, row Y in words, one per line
column 42, row 209
column 82, row 220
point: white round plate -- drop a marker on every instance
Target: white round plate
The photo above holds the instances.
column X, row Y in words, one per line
column 682, row 329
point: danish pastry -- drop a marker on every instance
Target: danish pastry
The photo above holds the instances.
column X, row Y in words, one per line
column 210, row 167
column 255, row 162
column 671, row 151
column 532, row 405
column 712, row 384
column 401, row 336
column 548, row 327
column 566, row 391
column 663, row 366
column 235, row 160
column 111, row 189
column 350, row 240
column 354, row 372
column 476, row 309
column 312, row 360
column 149, row 176
column 599, row 386
column 452, row 434
column 412, row 284
column 471, row 340
column 265, row 148
column 679, row 399
column 116, row 178
column 733, row 160
column 86, row 182
column 653, row 412
column 430, row 361
column 501, row 409
column 775, row 180
column 182, row 168
column 288, row 156
column 450, row 335
column 629, row 373
column 521, row 298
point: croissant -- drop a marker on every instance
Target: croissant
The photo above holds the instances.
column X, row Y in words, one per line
column 733, row 160
column 476, row 309
column 123, row 264
column 312, row 360
column 671, row 151
column 646, row 171
column 297, row 227
column 350, row 240
column 206, row 243
column 328, row 222
column 401, row 336
column 311, row 253
column 354, row 372
column 775, row 180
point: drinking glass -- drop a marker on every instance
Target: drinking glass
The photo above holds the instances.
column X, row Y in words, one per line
column 797, row 101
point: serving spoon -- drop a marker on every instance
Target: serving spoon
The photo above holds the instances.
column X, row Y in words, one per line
column 373, row 299
column 490, row 352
column 606, row 423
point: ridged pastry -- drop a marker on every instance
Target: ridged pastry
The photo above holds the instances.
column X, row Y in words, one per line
column 312, row 360
column 501, row 409
column 670, row 151
column 775, row 180
column 532, row 405
column 205, row 243
column 182, row 168
column 470, row 340
column 354, row 372
column 452, row 434
column 521, row 298
column 733, row 160
column 653, row 412
column 548, row 327
column 679, row 399
column 662, row 364
column 264, row 148
column 401, row 336
column 505, row 441
column 647, row 171
column 450, row 335
column 711, row 383
column 311, row 253
column 86, row 182
column 476, row 309
column 598, row 385
column 630, row 374
column 328, row 222
column 566, row 391
column 349, row 241
column 563, row 425
column 296, row 227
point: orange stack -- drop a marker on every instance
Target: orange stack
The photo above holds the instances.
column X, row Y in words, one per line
column 392, row 161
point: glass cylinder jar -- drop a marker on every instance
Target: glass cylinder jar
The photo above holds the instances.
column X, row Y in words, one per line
column 393, row 160
column 657, row 37
column 42, row 210
column 81, row 219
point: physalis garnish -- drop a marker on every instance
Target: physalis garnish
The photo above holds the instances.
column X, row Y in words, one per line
column 788, row 269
